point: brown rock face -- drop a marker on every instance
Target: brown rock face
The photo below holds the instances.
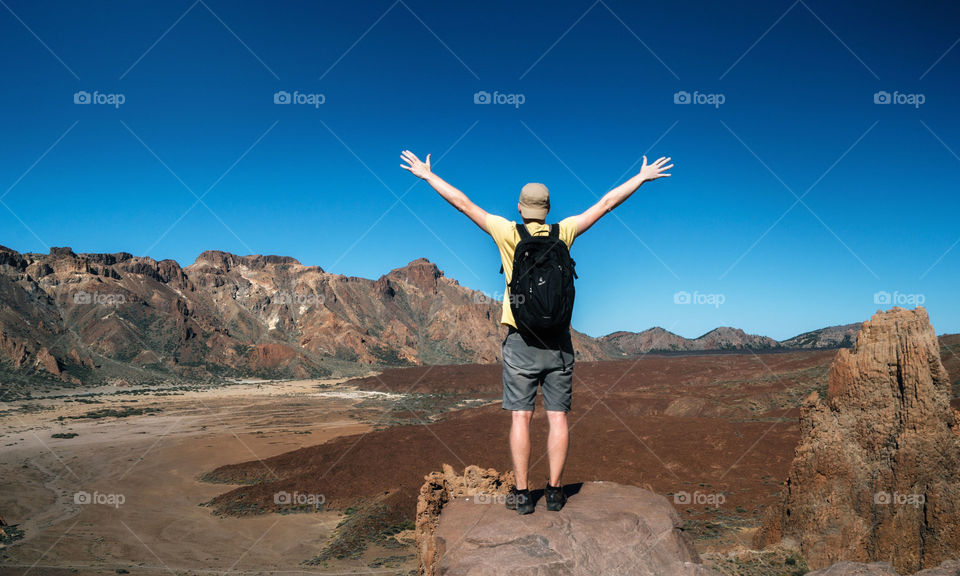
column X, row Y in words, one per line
column 605, row 529
column 46, row 360
column 441, row 487
column 65, row 316
column 875, row 475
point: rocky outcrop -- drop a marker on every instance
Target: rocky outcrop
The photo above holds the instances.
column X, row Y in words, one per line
column 440, row 488
column 46, row 361
column 875, row 475
column 421, row 273
column 605, row 529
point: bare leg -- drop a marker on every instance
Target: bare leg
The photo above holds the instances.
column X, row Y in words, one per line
column 557, row 442
column 520, row 445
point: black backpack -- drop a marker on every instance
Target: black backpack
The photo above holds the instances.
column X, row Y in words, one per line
column 541, row 289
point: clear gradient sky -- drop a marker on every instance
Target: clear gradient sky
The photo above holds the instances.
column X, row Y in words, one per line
column 598, row 80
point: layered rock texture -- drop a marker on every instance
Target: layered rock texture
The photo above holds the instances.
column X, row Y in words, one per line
column 875, row 477
column 67, row 317
column 605, row 529
column 437, row 491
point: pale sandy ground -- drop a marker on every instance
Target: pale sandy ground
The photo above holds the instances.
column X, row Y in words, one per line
column 154, row 461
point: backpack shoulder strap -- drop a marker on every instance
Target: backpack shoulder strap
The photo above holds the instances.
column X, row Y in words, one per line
column 555, row 231
column 522, row 231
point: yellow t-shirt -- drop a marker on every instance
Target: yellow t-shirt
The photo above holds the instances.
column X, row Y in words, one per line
column 504, row 233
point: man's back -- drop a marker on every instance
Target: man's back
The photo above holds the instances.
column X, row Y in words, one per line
column 530, row 363
column 505, row 235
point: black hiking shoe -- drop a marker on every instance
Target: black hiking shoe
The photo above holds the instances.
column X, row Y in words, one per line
column 520, row 501
column 555, row 497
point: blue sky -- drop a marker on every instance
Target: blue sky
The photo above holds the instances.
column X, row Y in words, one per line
column 599, row 81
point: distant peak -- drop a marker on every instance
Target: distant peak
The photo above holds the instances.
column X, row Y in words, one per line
column 420, row 272
column 62, row 252
column 659, row 330
column 725, row 330
column 420, row 264
column 260, row 261
column 656, row 330
column 228, row 260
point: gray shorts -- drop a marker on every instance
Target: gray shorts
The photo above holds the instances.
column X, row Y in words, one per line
column 529, row 362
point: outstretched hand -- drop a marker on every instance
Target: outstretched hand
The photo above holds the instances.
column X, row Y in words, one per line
column 416, row 167
column 655, row 170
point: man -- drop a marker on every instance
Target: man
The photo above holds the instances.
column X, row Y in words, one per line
column 530, row 360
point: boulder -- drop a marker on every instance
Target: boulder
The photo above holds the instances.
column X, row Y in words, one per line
column 605, row 529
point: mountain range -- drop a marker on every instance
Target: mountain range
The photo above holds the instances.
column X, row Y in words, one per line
column 119, row 318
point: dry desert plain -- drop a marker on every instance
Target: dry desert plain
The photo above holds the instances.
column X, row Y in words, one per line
column 185, row 478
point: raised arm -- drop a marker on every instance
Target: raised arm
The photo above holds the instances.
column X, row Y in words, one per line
column 451, row 194
column 615, row 197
